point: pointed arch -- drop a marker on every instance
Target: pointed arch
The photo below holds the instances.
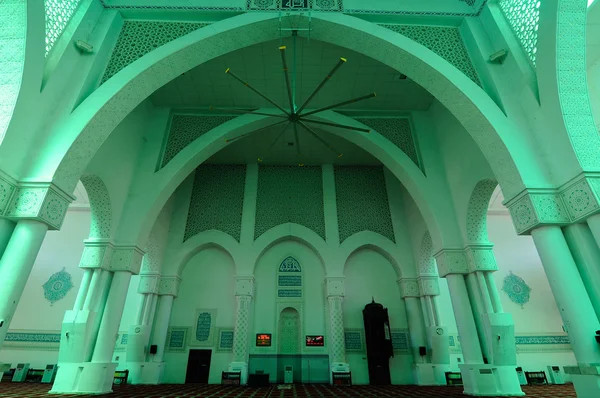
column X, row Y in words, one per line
column 373, row 241
column 477, row 211
column 101, row 226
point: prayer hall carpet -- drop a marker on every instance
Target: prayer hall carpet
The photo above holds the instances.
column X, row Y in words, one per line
column 29, row 390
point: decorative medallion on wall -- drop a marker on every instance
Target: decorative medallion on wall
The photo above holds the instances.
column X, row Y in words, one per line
column 203, row 334
column 516, row 289
column 57, row 287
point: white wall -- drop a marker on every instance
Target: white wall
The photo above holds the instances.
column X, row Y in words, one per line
column 539, row 316
column 34, row 314
column 370, row 275
column 206, row 283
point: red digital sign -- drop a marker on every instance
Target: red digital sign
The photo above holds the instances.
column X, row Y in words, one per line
column 263, row 339
column 315, row 341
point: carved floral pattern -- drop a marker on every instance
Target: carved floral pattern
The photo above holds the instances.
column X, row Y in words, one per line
column 57, row 286
column 516, row 289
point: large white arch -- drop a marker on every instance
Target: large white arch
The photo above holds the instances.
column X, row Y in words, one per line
column 95, row 119
column 188, row 249
column 375, row 242
column 287, row 231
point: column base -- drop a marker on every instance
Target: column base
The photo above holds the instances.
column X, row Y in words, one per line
column 239, row 367
column 430, row 374
column 4, row 367
column 490, row 380
column 145, row 372
column 84, row 378
column 586, row 380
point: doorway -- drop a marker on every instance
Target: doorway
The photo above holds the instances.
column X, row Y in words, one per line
column 198, row 367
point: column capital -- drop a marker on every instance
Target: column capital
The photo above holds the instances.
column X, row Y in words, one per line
column 39, row 201
column 97, row 253
column 451, row 261
column 480, row 257
column 429, row 285
column 536, row 207
column 169, row 286
column 581, row 196
column 335, row 286
column 149, row 283
column 244, row 285
column 409, row 287
column 126, row 258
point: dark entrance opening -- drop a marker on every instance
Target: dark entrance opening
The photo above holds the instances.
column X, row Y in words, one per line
column 198, row 366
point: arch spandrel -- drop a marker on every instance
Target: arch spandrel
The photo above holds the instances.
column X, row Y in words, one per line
column 378, row 243
column 100, row 205
column 477, row 211
column 105, row 108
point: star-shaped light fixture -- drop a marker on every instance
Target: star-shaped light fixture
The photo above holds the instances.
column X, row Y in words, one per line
column 297, row 116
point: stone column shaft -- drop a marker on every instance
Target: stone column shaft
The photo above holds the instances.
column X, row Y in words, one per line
column 111, row 318
column 83, row 289
column 586, row 254
column 493, row 289
column 161, row 326
column 415, row 327
column 240, row 333
column 92, row 291
column 336, row 329
column 464, row 319
column 569, row 292
column 6, row 229
column 15, row 267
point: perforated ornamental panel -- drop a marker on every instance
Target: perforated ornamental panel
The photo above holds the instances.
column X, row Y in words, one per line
column 58, row 15
column 444, row 41
column 398, row 131
column 362, row 202
column 217, row 200
column 523, row 17
column 138, row 38
column 289, row 194
column 184, row 129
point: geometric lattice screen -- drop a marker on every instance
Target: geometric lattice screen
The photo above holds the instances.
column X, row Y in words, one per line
column 398, row 131
column 185, row 129
column 523, row 17
column 289, row 194
column 138, row 38
column 58, row 15
column 362, row 201
column 444, row 41
column 217, row 200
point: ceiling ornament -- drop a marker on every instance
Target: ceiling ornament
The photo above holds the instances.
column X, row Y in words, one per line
column 297, row 116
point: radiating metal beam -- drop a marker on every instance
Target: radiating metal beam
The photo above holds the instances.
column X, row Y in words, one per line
column 229, row 72
column 245, row 112
column 287, row 78
column 331, row 148
column 342, row 126
column 320, row 86
column 364, row 97
column 260, row 159
column 257, row 130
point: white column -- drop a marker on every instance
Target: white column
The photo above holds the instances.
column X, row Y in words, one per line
column 463, row 314
column 474, row 294
column 113, row 311
column 415, row 327
column 15, row 267
column 429, row 304
column 337, row 344
column 83, row 289
column 586, row 254
column 93, row 289
column 436, row 310
column 594, row 223
column 491, row 284
column 569, row 292
column 6, row 229
column 240, row 332
column 425, row 312
column 141, row 309
column 161, row 326
column 485, row 294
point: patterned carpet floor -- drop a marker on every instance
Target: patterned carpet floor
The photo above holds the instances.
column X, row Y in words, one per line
column 27, row 390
